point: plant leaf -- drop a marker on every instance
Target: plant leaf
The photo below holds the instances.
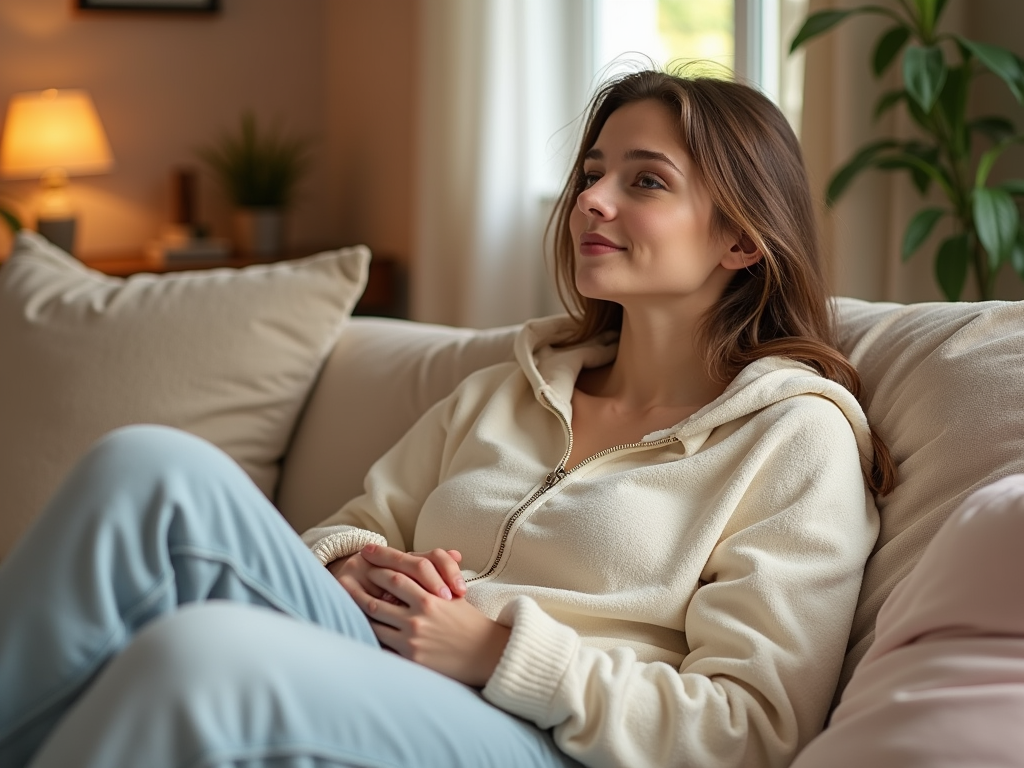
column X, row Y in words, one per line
column 922, row 175
column 951, row 266
column 928, row 11
column 997, row 220
column 953, row 105
column 1017, row 255
column 924, row 73
column 822, row 21
column 817, row 24
column 990, row 156
column 12, row 221
column 1013, row 186
column 920, row 116
column 887, row 101
column 864, row 158
column 888, row 46
column 1001, row 62
column 995, row 127
column 922, row 163
column 918, row 230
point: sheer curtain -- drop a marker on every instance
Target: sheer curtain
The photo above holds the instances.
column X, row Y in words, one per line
column 502, row 83
column 502, row 86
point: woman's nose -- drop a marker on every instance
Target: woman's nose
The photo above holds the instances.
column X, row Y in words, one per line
column 596, row 200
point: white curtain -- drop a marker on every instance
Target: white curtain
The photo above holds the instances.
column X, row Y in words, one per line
column 502, row 83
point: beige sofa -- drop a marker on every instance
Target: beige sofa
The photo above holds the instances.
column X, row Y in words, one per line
column 265, row 363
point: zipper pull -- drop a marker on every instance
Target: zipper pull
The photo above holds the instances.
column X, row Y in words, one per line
column 553, row 479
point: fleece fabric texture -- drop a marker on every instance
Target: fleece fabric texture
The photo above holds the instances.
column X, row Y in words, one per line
column 683, row 600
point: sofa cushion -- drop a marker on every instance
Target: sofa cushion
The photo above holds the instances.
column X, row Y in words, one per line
column 380, row 378
column 943, row 386
column 230, row 355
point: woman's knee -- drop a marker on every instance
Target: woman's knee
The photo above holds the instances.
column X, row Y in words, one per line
column 148, row 448
column 135, row 462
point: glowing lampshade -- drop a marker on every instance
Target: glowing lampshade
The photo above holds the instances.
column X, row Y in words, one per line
column 53, row 130
column 52, row 135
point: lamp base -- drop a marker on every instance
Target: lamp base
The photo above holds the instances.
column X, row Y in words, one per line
column 60, row 232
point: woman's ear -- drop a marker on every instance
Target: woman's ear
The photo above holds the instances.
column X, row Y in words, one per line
column 742, row 253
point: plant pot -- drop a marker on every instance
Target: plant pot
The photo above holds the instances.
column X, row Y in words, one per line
column 259, row 232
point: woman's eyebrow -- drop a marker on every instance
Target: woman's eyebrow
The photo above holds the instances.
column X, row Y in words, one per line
column 649, row 154
column 636, row 154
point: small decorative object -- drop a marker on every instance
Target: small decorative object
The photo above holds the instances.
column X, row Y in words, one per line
column 259, row 172
column 51, row 135
column 938, row 73
column 185, row 239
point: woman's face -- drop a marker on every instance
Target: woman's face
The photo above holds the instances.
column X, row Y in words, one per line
column 642, row 225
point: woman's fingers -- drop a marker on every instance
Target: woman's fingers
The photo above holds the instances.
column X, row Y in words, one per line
column 446, row 561
column 350, row 572
column 385, row 609
column 437, row 571
column 407, row 590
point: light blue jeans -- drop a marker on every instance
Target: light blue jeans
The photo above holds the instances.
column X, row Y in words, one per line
column 162, row 613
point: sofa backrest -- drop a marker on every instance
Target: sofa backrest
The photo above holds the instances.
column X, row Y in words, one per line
column 943, row 386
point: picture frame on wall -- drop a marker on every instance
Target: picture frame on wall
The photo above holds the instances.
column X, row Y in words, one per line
column 195, row 6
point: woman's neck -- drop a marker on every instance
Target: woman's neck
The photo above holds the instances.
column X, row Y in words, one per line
column 658, row 364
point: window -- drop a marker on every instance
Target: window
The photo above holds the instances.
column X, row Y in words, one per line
column 747, row 37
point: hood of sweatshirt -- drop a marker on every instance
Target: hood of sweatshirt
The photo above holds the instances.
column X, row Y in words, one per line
column 552, row 372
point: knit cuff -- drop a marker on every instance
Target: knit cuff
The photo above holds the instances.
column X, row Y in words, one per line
column 538, row 653
column 337, row 541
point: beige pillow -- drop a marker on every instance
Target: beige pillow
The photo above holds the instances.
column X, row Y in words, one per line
column 229, row 355
column 945, row 389
column 380, row 378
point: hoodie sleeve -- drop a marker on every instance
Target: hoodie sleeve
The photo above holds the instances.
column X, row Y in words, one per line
column 398, row 483
column 766, row 630
column 394, row 491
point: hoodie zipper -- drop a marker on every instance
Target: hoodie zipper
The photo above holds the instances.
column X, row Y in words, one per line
column 553, row 478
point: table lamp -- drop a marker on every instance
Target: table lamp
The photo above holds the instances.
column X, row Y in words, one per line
column 51, row 135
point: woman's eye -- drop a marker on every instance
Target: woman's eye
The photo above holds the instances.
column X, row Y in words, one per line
column 589, row 180
column 649, row 182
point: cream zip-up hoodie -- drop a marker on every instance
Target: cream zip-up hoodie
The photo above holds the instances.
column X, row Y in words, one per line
column 681, row 601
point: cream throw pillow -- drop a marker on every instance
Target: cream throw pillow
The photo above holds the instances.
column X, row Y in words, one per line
column 945, row 389
column 229, row 355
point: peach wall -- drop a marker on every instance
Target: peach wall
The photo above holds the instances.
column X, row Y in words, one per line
column 371, row 111
column 165, row 84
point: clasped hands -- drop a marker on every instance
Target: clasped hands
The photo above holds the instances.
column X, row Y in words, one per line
column 416, row 606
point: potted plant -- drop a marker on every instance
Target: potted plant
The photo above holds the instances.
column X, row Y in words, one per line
column 258, row 171
column 938, row 72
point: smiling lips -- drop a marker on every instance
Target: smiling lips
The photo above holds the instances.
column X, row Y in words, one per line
column 592, row 244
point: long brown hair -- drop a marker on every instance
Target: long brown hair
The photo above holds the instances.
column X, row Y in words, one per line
column 753, row 168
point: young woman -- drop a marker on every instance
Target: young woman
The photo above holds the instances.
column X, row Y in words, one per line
column 641, row 544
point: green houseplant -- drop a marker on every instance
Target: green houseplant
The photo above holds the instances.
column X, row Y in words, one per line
column 259, row 171
column 938, row 71
column 9, row 218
